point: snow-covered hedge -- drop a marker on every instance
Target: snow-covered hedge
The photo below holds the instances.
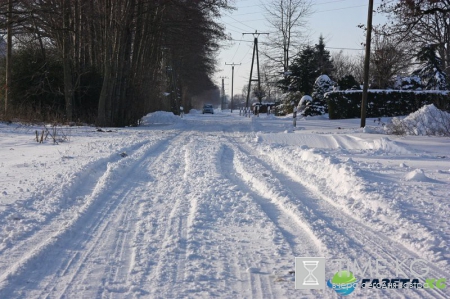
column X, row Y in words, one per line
column 347, row 103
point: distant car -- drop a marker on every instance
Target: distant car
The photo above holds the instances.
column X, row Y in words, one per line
column 207, row 108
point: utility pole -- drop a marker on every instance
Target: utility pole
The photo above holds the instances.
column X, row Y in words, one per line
column 366, row 65
column 232, row 82
column 223, row 91
column 255, row 51
column 8, row 57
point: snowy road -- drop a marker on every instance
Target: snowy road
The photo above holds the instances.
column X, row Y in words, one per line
column 217, row 206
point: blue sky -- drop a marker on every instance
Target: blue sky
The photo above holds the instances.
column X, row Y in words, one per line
column 336, row 20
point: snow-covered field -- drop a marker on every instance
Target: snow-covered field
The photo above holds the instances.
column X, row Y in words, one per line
column 219, row 206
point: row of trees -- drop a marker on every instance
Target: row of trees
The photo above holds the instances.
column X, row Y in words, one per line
column 412, row 51
column 110, row 61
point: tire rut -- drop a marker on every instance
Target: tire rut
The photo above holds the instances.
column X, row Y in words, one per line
column 330, row 224
column 61, row 256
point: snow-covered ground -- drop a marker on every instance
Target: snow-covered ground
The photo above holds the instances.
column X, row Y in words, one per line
column 219, row 206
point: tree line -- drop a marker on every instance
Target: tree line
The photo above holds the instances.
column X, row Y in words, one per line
column 410, row 51
column 108, row 61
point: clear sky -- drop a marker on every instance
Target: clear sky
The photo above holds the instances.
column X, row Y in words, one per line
column 336, row 20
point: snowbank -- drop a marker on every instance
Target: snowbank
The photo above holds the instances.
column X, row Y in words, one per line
column 428, row 120
column 160, row 117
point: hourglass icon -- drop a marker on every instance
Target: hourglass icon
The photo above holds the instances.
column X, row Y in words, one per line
column 310, row 279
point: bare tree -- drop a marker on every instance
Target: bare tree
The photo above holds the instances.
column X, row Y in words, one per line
column 287, row 19
column 389, row 58
column 130, row 46
column 423, row 23
column 343, row 65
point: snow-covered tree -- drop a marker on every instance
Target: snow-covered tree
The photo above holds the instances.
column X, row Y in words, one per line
column 430, row 71
column 412, row 82
column 287, row 102
column 318, row 106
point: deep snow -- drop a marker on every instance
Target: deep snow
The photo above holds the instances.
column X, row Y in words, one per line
column 217, row 206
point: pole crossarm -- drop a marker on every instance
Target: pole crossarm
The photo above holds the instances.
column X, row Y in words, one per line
column 256, row 33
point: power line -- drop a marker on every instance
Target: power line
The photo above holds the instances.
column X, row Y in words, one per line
column 239, row 45
column 342, row 8
column 330, row 2
column 245, row 55
column 352, row 49
column 235, row 27
column 241, row 23
column 334, row 48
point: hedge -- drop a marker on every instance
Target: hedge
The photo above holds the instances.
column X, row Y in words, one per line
column 347, row 103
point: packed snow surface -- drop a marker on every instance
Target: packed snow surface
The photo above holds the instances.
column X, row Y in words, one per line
column 219, row 206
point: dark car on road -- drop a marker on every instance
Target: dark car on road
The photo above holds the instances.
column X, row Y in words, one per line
column 208, row 108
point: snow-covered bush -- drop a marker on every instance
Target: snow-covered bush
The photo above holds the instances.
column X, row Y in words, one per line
column 318, row 105
column 304, row 102
column 408, row 83
column 428, row 120
column 285, row 107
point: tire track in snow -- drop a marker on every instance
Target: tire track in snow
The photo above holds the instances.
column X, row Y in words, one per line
column 260, row 284
column 55, row 200
column 93, row 214
column 259, row 179
column 354, row 239
column 293, row 223
column 254, row 275
column 172, row 167
column 166, row 223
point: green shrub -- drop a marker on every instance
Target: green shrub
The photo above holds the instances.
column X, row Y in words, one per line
column 287, row 103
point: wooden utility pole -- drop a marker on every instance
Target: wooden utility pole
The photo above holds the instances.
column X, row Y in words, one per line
column 8, row 57
column 366, row 65
column 222, row 98
column 232, row 82
column 255, row 51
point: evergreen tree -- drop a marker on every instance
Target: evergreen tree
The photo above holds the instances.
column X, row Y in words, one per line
column 303, row 71
column 347, row 82
column 430, row 71
column 323, row 57
column 307, row 66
